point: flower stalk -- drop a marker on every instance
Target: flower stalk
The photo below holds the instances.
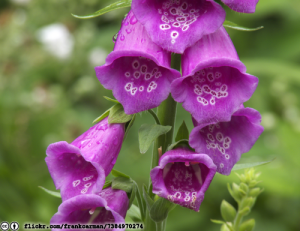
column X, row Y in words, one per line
column 166, row 114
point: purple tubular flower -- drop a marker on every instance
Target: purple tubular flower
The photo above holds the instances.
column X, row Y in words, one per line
column 81, row 167
column 214, row 82
column 243, row 6
column 225, row 142
column 137, row 71
column 177, row 24
column 183, row 176
column 108, row 206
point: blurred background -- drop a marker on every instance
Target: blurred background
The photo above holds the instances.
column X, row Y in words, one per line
column 49, row 92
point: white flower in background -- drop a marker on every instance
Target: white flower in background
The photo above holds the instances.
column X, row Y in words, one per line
column 21, row 2
column 57, row 40
column 97, row 56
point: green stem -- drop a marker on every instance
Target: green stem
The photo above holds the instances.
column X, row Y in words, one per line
column 154, row 116
column 237, row 222
column 166, row 114
column 160, row 226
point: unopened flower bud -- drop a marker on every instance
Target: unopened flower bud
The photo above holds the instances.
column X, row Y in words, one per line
column 245, row 211
column 248, row 202
column 255, row 192
column 224, row 228
column 253, row 183
column 235, row 192
column 244, row 187
column 247, row 225
column 228, row 212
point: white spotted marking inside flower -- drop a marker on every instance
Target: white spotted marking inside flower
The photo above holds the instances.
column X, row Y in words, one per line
column 133, row 90
column 128, row 86
column 83, row 191
column 165, row 27
column 137, row 74
column 219, row 92
column 212, row 101
column 88, row 178
column 177, row 195
column 135, row 64
column 148, row 76
column 177, row 15
column 210, row 137
column 76, row 183
column 202, row 100
column 219, row 136
column 143, row 69
column 87, row 185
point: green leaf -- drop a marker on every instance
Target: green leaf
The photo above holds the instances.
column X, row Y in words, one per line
column 160, row 209
column 148, row 133
column 182, row 133
column 249, row 165
column 114, row 6
column 132, row 195
column 140, row 201
column 105, row 114
column 148, row 199
column 134, row 213
column 117, row 115
column 129, row 125
column 232, row 25
column 111, row 100
column 217, row 221
column 52, row 193
column 107, row 184
column 122, row 183
column 179, row 143
column 117, row 173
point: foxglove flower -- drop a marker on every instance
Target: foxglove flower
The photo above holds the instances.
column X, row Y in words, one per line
column 243, row 6
column 107, row 207
column 138, row 71
column 81, row 167
column 177, row 24
column 214, row 82
column 225, row 142
column 183, row 176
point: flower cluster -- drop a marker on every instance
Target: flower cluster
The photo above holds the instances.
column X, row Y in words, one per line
column 212, row 88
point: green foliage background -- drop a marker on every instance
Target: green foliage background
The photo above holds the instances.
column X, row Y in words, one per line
column 44, row 99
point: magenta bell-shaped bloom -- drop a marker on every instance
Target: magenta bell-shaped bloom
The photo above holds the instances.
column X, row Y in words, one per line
column 214, row 82
column 225, row 142
column 183, row 176
column 177, row 24
column 137, row 71
column 107, row 207
column 81, row 167
column 243, row 6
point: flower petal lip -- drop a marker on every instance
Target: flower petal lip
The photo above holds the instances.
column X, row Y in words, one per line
column 76, row 209
column 81, row 167
column 225, row 142
column 176, row 25
column 61, row 159
column 242, row 6
column 167, row 177
column 211, row 65
column 137, row 71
